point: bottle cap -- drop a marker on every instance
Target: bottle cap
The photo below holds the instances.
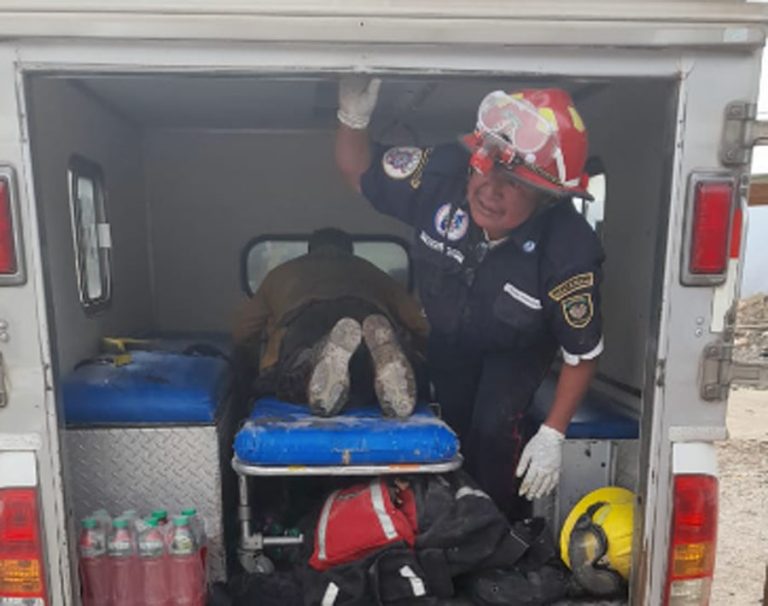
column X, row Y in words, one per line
column 152, row 522
column 160, row 513
column 120, row 523
column 189, row 512
column 180, row 521
column 89, row 523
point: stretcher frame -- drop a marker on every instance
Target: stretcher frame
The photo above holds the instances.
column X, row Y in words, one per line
column 251, row 544
column 247, row 469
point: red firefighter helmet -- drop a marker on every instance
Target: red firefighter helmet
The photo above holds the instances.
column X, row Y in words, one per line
column 536, row 135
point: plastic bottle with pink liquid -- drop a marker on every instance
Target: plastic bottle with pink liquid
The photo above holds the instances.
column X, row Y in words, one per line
column 94, row 565
column 155, row 589
column 197, row 524
column 185, row 567
column 121, row 549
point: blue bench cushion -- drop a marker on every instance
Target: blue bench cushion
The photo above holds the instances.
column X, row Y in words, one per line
column 155, row 387
column 598, row 417
column 279, row 433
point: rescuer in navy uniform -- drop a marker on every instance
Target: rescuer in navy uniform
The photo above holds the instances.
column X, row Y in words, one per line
column 508, row 271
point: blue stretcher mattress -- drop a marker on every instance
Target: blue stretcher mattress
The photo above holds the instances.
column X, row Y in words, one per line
column 155, row 387
column 597, row 418
column 279, row 433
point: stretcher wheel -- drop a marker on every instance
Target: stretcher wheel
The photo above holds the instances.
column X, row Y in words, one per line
column 255, row 563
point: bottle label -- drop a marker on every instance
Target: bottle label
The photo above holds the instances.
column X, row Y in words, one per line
column 182, row 544
column 151, row 546
column 92, row 546
column 120, row 545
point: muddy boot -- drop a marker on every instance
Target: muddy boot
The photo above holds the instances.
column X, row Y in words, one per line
column 395, row 383
column 329, row 382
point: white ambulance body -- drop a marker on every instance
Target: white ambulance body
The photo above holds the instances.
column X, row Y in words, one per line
column 211, row 124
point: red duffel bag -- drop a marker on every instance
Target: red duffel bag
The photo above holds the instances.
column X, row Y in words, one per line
column 357, row 521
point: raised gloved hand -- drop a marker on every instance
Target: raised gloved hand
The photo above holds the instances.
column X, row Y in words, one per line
column 542, row 457
column 357, row 98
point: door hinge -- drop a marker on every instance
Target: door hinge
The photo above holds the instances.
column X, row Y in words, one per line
column 718, row 371
column 741, row 132
column 3, row 388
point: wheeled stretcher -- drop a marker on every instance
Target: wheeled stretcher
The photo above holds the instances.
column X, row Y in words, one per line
column 283, row 439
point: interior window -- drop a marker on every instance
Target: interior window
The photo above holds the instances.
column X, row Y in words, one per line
column 91, row 233
column 264, row 254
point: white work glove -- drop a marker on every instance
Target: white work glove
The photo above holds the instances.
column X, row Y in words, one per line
column 357, row 98
column 542, row 457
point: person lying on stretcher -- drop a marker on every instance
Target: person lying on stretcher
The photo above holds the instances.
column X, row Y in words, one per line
column 306, row 322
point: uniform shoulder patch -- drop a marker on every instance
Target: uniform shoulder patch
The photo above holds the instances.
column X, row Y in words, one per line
column 571, row 285
column 578, row 310
column 401, row 162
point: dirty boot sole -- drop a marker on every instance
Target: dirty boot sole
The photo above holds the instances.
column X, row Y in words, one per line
column 395, row 383
column 329, row 383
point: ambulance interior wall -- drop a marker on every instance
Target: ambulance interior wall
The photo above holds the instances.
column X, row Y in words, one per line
column 631, row 128
column 183, row 202
column 66, row 121
column 210, row 192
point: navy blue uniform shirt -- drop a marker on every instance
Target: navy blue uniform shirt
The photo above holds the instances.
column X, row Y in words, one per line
column 533, row 292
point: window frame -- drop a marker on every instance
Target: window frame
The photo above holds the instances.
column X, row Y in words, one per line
column 81, row 167
column 245, row 283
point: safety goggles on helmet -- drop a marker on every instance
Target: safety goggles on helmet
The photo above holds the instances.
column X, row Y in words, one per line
column 536, row 136
column 587, row 551
column 596, row 540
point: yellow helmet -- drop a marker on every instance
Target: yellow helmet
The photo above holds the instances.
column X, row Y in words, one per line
column 596, row 539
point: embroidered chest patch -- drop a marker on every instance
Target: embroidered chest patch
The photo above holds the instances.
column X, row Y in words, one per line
column 401, row 162
column 578, row 310
column 459, row 222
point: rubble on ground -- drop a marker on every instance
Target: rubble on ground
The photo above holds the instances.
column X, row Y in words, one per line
column 750, row 339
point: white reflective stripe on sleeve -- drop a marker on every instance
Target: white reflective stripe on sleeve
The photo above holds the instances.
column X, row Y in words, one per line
column 417, row 585
column 521, row 296
column 574, row 359
column 330, row 595
column 466, row 491
column 377, row 498
column 322, row 527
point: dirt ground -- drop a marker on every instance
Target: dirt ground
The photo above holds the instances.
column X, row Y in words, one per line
column 742, row 550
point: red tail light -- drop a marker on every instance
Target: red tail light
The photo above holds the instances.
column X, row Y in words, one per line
column 710, row 227
column 8, row 265
column 11, row 260
column 693, row 540
column 21, row 563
